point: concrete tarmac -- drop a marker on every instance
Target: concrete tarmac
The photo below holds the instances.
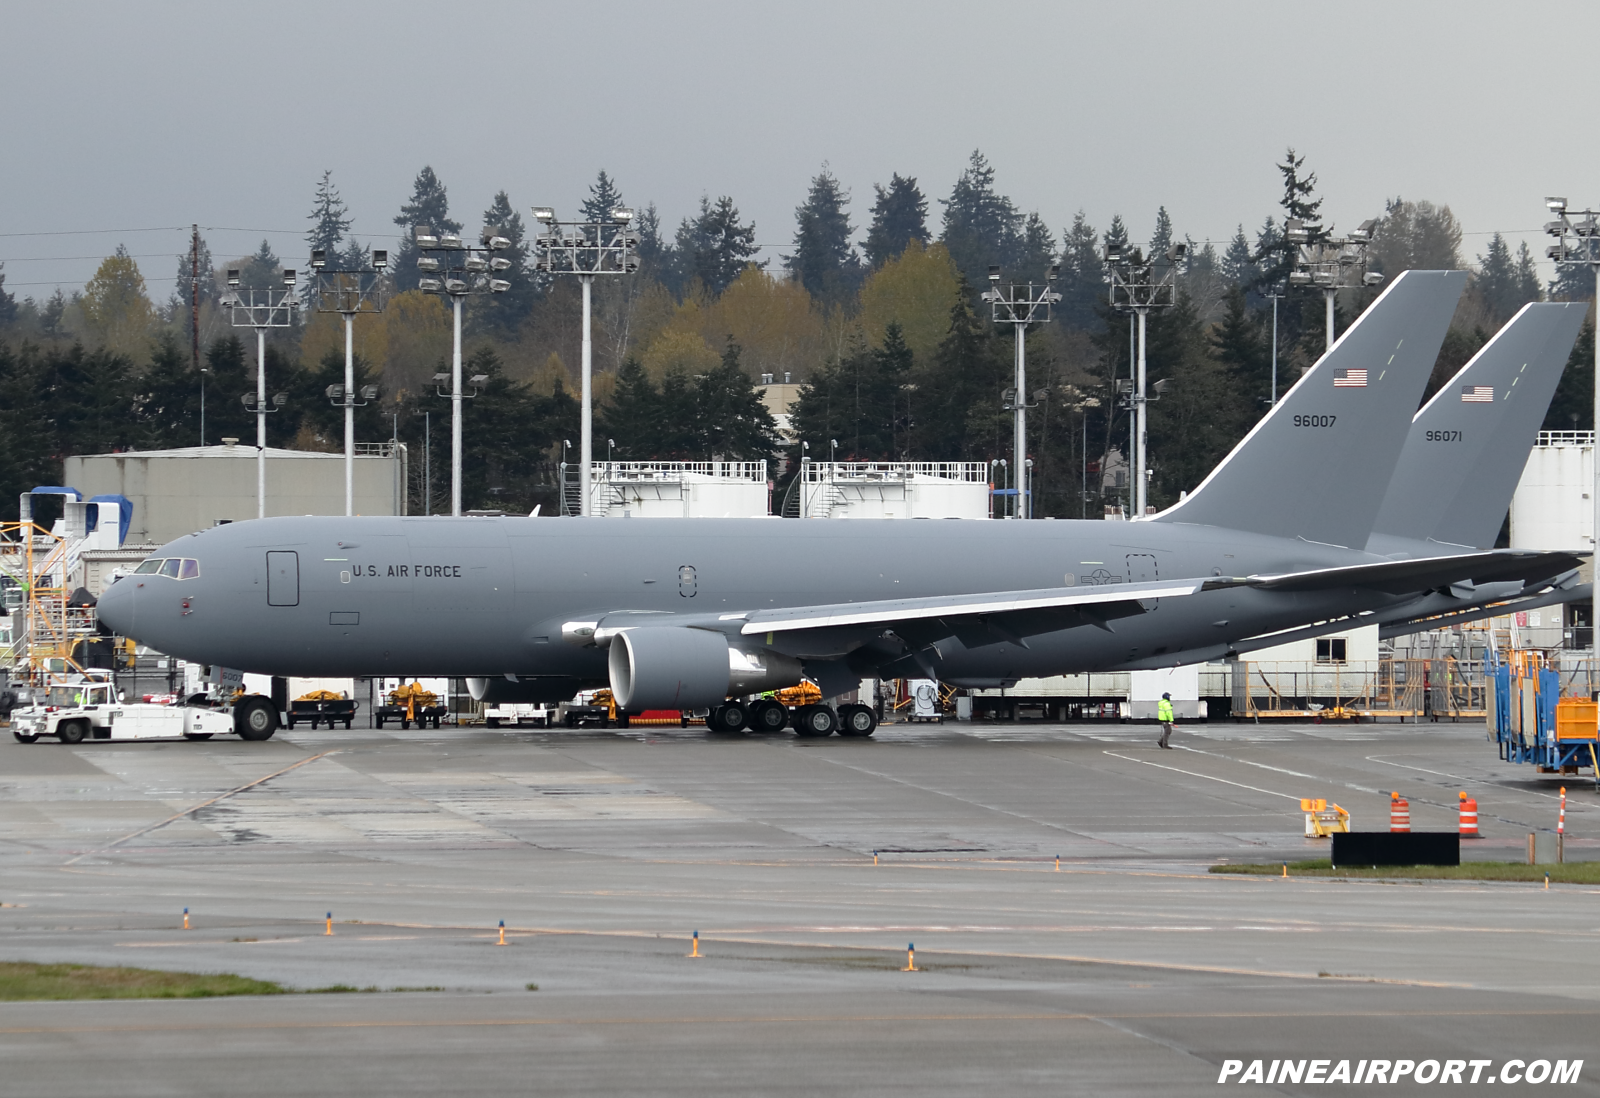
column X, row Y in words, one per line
column 1129, row 969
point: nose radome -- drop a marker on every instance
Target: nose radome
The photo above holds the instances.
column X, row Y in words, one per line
column 115, row 607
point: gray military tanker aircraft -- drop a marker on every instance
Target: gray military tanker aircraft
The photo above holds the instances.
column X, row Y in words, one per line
column 684, row 613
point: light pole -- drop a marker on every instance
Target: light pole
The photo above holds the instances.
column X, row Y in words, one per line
column 1577, row 234
column 1275, row 295
column 1331, row 263
column 261, row 309
column 1081, row 404
column 586, row 249
column 458, row 270
column 1020, row 306
column 1136, row 288
column 348, row 293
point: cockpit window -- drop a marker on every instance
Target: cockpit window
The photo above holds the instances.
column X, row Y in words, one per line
column 149, row 567
column 169, row 567
column 180, row 568
column 190, row 569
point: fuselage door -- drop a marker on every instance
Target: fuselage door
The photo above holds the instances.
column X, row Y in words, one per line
column 283, row 578
column 1142, row 568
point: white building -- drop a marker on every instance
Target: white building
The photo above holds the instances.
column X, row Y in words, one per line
column 680, row 489
column 1551, row 508
column 890, row 489
column 176, row 492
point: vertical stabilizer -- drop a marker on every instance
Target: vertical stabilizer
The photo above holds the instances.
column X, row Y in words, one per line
column 1467, row 447
column 1317, row 465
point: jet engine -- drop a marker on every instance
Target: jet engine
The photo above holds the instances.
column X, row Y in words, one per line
column 525, row 690
column 674, row 667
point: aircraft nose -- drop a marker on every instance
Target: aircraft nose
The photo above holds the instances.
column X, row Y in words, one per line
column 115, row 607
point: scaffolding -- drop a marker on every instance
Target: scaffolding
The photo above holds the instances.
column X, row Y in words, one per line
column 35, row 570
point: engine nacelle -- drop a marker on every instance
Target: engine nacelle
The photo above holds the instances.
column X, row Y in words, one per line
column 674, row 667
column 526, row 690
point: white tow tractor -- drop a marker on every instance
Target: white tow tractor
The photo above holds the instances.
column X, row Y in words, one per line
column 93, row 710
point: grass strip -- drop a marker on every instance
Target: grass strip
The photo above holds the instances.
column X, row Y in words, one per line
column 20, row 980
column 1567, row 873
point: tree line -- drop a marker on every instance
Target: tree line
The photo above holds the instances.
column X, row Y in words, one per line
column 894, row 355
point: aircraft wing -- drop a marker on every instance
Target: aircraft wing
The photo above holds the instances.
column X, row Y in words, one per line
column 1399, row 577
column 985, row 617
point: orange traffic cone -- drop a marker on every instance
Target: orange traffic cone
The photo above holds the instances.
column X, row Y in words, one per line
column 1469, row 817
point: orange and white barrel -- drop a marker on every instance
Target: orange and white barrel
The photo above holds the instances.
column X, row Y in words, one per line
column 1399, row 814
column 1469, row 817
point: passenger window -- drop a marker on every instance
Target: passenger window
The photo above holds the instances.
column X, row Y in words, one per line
column 190, row 569
column 149, row 567
column 169, row 567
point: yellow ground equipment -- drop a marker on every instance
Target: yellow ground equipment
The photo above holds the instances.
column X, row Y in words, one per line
column 410, row 702
column 1322, row 818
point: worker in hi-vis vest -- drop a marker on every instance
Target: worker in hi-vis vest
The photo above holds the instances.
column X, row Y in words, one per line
column 1164, row 715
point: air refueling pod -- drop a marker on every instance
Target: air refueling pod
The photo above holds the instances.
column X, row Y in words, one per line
column 675, row 667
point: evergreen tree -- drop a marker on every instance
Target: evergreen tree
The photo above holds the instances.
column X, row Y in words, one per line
column 8, row 302
column 733, row 422
column 1497, row 280
column 262, row 271
column 183, row 288
column 354, row 257
column 1241, row 345
column 1572, row 408
column 633, row 414
column 715, row 246
column 1276, row 259
column 823, row 259
column 653, row 250
column 1161, row 239
column 862, row 400
column 1238, row 266
column 1036, row 250
column 603, row 199
column 1529, row 287
column 1117, row 234
column 1082, row 282
column 899, row 216
column 981, row 226
column 329, row 218
column 166, row 399
column 502, row 313
column 958, row 404
column 429, row 206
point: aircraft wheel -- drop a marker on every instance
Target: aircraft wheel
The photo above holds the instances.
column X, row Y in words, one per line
column 857, row 720
column 25, row 739
column 768, row 716
column 815, row 721
column 255, row 719
column 72, row 731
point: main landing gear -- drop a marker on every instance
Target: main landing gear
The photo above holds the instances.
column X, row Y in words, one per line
column 810, row 721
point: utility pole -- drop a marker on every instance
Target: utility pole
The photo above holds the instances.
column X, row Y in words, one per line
column 194, row 307
column 586, row 249
column 1020, row 306
column 1577, row 234
column 348, row 293
column 261, row 309
column 1135, row 288
column 457, row 270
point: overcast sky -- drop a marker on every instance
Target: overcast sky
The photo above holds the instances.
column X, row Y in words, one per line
column 126, row 116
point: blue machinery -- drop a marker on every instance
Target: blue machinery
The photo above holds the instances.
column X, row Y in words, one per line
column 1532, row 723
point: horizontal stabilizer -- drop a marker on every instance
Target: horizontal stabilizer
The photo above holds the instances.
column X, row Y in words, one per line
column 1400, row 577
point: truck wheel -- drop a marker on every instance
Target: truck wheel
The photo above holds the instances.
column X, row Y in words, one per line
column 255, row 719
column 24, row 739
column 72, row 731
column 494, row 722
column 379, row 721
column 572, row 720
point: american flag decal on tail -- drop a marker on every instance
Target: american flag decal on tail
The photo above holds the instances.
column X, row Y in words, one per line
column 1477, row 394
column 1352, row 379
